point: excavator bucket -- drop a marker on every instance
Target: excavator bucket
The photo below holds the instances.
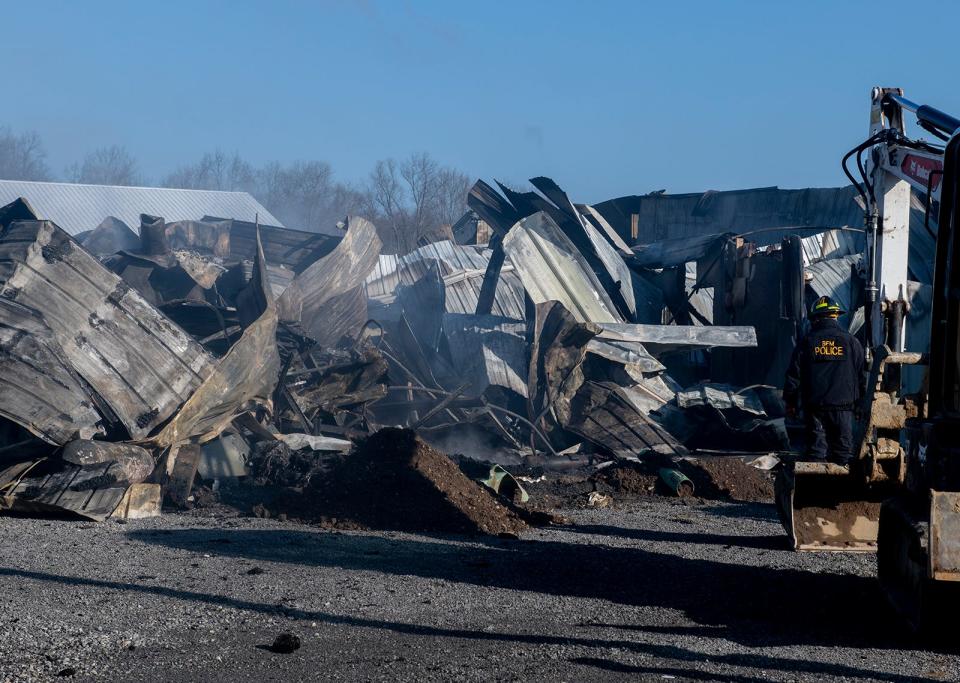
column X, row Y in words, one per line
column 824, row 507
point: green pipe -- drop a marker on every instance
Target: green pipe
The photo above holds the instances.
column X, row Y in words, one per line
column 676, row 481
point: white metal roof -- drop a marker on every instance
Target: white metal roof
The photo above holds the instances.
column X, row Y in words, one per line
column 77, row 208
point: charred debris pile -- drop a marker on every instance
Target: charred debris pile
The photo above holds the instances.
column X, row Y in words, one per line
column 138, row 370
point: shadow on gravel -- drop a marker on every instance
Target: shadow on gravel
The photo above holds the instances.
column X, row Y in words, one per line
column 778, row 542
column 752, row 605
column 682, row 674
column 763, row 512
column 744, row 604
column 767, row 663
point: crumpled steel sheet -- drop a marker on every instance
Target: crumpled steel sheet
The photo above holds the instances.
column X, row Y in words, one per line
column 664, row 338
column 139, row 366
column 345, row 268
column 38, row 388
column 552, row 269
column 244, row 379
column 595, row 398
column 461, row 269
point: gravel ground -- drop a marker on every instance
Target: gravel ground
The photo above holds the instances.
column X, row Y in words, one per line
column 655, row 590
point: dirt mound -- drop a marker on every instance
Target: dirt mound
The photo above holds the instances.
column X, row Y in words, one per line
column 393, row 480
column 637, row 479
column 728, row 477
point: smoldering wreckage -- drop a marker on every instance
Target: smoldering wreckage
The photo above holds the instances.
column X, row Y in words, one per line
column 641, row 340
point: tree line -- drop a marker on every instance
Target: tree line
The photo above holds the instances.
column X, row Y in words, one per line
column 408, row 199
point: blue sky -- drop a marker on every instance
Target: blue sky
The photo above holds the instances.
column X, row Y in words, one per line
column 608, row 98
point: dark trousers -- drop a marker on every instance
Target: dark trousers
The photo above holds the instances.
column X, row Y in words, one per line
column 829, row 431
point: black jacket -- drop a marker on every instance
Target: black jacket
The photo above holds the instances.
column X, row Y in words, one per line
column 826, row 369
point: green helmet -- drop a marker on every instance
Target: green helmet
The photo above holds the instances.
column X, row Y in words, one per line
column 825, row 306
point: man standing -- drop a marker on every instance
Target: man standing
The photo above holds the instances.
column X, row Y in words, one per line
column 825, row 380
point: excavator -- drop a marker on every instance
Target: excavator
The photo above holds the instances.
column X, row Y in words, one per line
column 900, row 497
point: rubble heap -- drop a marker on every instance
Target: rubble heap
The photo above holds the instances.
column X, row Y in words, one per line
column 222, row 348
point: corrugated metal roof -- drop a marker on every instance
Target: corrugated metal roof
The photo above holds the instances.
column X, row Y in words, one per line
column 462, row 269
column 78, row 208
column 831, row 244
column 463, row 293
column 392, row 270
column 667, row 216
column 140, row 364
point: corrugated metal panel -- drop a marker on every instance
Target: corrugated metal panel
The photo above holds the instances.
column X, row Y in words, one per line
column 78, row 208
column 392, row 271
column 831, row 277
column 463, row 294
column 134, row 358
column 837, row 243
column 462, row 269
column 294, row 249
column 553, row 269
column 831, row 244
column 383, row 281
column 702, row 299
column 489, row 351
column 812, row 248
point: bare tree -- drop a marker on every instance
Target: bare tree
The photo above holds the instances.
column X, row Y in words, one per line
column 388, row 198
column 112, row 165
column 451, row 195
column 415, row 198
column 352, row 201
column 22, row 157
column 420, row 174
column 407, row 200
column 302, row 194
column 216, row 170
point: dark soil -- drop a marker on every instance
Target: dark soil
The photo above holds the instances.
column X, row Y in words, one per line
column 728, row 478
column 393, row 480
column 572, row 490
column 715, row 478
column 637, row 479
column 560, row 491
